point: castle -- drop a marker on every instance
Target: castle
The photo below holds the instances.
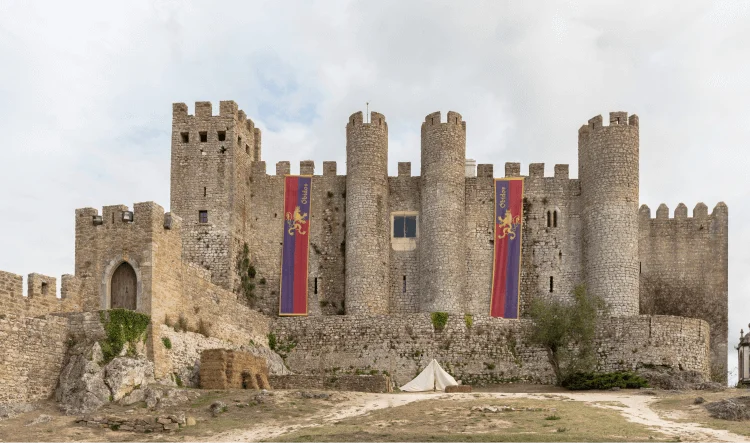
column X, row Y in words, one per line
column 386, row 251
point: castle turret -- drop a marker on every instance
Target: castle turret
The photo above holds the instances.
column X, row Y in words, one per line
column 442, row 228
column 211, row 157
column 367, row 218
column 608, row 170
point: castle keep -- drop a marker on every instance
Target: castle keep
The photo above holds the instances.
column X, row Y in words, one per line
column 386, row 251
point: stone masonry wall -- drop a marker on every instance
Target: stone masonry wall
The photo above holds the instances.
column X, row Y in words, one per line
column 608, row 170
column 32, row 351
column 490, row 351
column 41, row 296
column 357, row 383
column 683, row 270
column 326, row 264
column 404, row 193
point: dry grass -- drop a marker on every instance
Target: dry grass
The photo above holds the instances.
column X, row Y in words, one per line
column 440, row 420
column 680, row 408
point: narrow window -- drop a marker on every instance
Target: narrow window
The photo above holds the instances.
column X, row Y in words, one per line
column 554, row 219
column 640, row 267
column 404, row 284
column 202, row 216
column 204, row 136
column 549, row 219
column 185, row 137
column 45, row 288
column 222, row 135
column 113, row 218
column 316, row 285
column 247, row 149
column 239, row 140
column 551, row 284
column 204, row 191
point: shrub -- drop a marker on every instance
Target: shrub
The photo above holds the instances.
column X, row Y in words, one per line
column 439, row 320
column 272, row 341
column 177, row 379
column 167, row 342
column 469, row 320
column 587, row 380
column 552, row 417
column 123, row 327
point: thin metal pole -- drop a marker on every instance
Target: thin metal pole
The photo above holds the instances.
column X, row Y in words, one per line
column 368, row 112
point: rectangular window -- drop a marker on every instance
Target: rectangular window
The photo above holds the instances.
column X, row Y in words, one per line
column 204, row 136
column 185, row 137
column 404, row 290
column 222, row 135
column 315, row 290
column 405, row 226
column 202, row 216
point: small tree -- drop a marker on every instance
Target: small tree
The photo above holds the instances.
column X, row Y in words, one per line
column 566, row 329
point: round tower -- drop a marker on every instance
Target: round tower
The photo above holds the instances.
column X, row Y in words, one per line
column 608, row 171
column 442, row 226
column 367, row 220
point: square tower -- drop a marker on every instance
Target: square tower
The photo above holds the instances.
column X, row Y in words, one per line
column 211, row 158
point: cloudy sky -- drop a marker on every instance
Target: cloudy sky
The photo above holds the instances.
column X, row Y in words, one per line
column 86, row 92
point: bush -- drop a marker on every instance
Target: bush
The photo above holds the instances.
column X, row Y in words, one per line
column 272, row 341
column 167, row 342
column 581, row 381
column 469, row 320
column 439, row 320
column 123, row 327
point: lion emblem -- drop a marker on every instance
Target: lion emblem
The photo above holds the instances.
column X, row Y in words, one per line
column 295, row 221
column 507, row 226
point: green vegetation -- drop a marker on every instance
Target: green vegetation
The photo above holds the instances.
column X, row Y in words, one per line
column 177, row 379
column 167, row 342
column 246, row 272
column 272, row 341
column 123, row 327
column 587, row 380
column 469, row 320
column 566, row 330
column 439, row 320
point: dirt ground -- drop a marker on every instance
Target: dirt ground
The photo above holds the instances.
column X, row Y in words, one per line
column 510, row 412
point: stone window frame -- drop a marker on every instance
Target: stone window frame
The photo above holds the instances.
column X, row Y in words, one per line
column 553, row 217
column 201, row 213
column 404, row 243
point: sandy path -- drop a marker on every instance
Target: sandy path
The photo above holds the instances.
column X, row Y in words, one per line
column 637, row 410
column 361, row 404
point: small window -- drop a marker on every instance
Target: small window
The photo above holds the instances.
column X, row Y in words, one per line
column 247, row 149
column 549, row 219
column 405, row 226
column 202, row 216
column 45, row 288
column 222, row 135
column 239, row 140
column 551, row 284
column 554, row 219
column 404, row 284
column 204, row 191
column 316, row 285
column 204, row 136
column 185, row 137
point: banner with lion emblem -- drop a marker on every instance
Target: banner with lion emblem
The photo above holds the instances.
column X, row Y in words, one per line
column 506, row 274
column 294, row 255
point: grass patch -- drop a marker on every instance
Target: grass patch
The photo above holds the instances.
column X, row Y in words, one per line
column 439, row 320
column 680, row 408
column 166, row 342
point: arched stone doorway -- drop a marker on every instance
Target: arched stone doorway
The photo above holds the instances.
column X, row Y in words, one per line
column 124, row 288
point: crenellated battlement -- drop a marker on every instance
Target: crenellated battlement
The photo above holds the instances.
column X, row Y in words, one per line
column 616, row 119
column 306, row 167
column 145, row 215
column 434, row 119
column 536, row 170
column 700, row 211
column 377, row 120
column 41, row 297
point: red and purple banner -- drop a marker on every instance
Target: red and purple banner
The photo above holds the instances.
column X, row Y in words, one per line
column 294, row 256
column 506, row 272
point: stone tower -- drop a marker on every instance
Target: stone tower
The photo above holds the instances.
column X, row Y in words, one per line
column 211, row 156
column 367, row 218
column 608, row 170
column 442, row 227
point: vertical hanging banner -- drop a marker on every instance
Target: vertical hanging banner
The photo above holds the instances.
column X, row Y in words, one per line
column 294, row 255
column 506, row 272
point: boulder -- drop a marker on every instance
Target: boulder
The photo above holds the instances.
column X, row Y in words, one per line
column 81, row 388
column 123, row 375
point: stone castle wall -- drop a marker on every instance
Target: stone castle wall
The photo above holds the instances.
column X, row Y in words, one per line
column 31, row 358
column 490, row 351
column 683, row 270
column 41, row 298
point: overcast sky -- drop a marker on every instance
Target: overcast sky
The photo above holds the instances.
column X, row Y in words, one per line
column 86, row 93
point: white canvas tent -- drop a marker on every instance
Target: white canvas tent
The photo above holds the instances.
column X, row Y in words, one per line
column 433, row 377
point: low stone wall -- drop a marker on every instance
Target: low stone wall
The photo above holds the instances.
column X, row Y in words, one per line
column 358, row 383
column 32, row 352
column 491, row 350
column 163, row 423
column 226, row 369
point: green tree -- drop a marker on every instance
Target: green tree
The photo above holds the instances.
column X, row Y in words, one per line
column 567, row 329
